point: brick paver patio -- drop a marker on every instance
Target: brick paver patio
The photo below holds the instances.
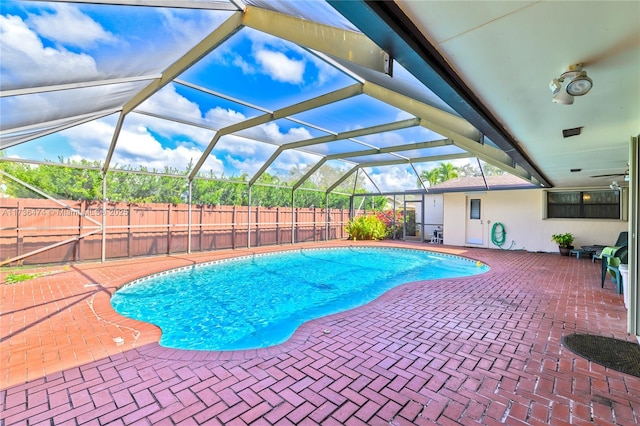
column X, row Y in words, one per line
column 479, row 350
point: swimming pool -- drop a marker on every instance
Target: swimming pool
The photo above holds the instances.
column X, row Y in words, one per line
column 259, row 301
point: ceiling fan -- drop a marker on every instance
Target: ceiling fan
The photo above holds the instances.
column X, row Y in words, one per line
column 611, row 175
column 625, row 174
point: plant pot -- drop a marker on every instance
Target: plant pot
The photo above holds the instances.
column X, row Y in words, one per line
column 564, row 251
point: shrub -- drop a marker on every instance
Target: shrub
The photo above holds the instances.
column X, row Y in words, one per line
column 393, row 224
column 366, row 228
column 563, row 240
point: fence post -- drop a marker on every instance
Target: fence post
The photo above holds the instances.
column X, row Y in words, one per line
column 233, row 228
column 19, row 242
column 201, row 230
column 80, row 241
column 315, row 211
column 258, row 226
column 129, row 233
column 327, row 217
column 278, row 225
column 169, row 228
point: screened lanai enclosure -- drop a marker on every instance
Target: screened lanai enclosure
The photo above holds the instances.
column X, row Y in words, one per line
column 134, row 127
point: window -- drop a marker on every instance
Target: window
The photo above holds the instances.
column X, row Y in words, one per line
column 474, row 209
column 584, row 204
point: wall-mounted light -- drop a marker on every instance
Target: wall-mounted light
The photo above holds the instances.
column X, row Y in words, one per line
column 571, row 83
column 614, row 185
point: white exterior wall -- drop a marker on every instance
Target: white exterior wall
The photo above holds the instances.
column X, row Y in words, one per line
column 434, row 213
column 522, row 214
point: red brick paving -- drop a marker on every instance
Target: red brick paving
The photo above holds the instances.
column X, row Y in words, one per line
column 479, row 350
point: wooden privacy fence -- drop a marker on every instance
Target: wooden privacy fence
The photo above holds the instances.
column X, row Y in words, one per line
column 71, row 231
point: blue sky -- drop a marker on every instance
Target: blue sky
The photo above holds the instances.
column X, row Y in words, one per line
column 46, row 44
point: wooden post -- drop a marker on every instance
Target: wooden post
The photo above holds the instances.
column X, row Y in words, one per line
column 19, row 242
column 129, row 233
column 79, row 241
column 278, row 225
column 233, row 228
column 169, row 228
column 200, row 235
column 258, row 226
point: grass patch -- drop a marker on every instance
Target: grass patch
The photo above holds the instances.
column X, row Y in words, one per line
column 16, row 278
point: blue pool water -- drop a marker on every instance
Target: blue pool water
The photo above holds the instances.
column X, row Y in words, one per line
column 259, row 301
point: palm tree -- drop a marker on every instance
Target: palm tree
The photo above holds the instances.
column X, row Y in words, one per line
column 447, row 171
column 430, row 176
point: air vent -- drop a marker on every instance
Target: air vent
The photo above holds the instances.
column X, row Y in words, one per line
column 567, row 133
column 575, row 170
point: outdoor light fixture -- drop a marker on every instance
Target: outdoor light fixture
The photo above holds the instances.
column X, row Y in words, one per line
column 573, row 82
column 614, row 185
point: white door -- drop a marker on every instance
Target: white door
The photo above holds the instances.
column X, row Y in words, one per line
column 475, row 234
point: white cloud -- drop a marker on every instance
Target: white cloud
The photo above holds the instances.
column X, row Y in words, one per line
column 168, row 99
column 188, row 27
column 326, row 72
column 167, row 102
column 394, row 178
column 280, row 60
column 25, row 60
column 245, row 67
column 280, row 67
column 239, row 166
column 69, row 26
column 271, row 132
column 136, row 147
column 220, row 117
column 237, row 146
column 293, row 160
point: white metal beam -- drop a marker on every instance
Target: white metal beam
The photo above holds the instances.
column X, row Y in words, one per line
column 77, row 85
column 344, row 93
column 34, row 131
column 349, row 45
column 214, row 39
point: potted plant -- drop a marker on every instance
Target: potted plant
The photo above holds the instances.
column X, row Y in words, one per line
column 564, row 241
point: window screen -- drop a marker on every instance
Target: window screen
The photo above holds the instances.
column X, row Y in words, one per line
column 584, row 204
column 474, row 211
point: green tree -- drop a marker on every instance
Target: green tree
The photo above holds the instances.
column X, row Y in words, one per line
column 440, row 174
column 469, row 170
column 82, row 180
column 429, row 176
column 487, row 169
column 491, row 170
column 447, row 171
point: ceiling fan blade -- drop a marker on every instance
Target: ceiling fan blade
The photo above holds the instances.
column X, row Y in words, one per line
column 609, row 175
